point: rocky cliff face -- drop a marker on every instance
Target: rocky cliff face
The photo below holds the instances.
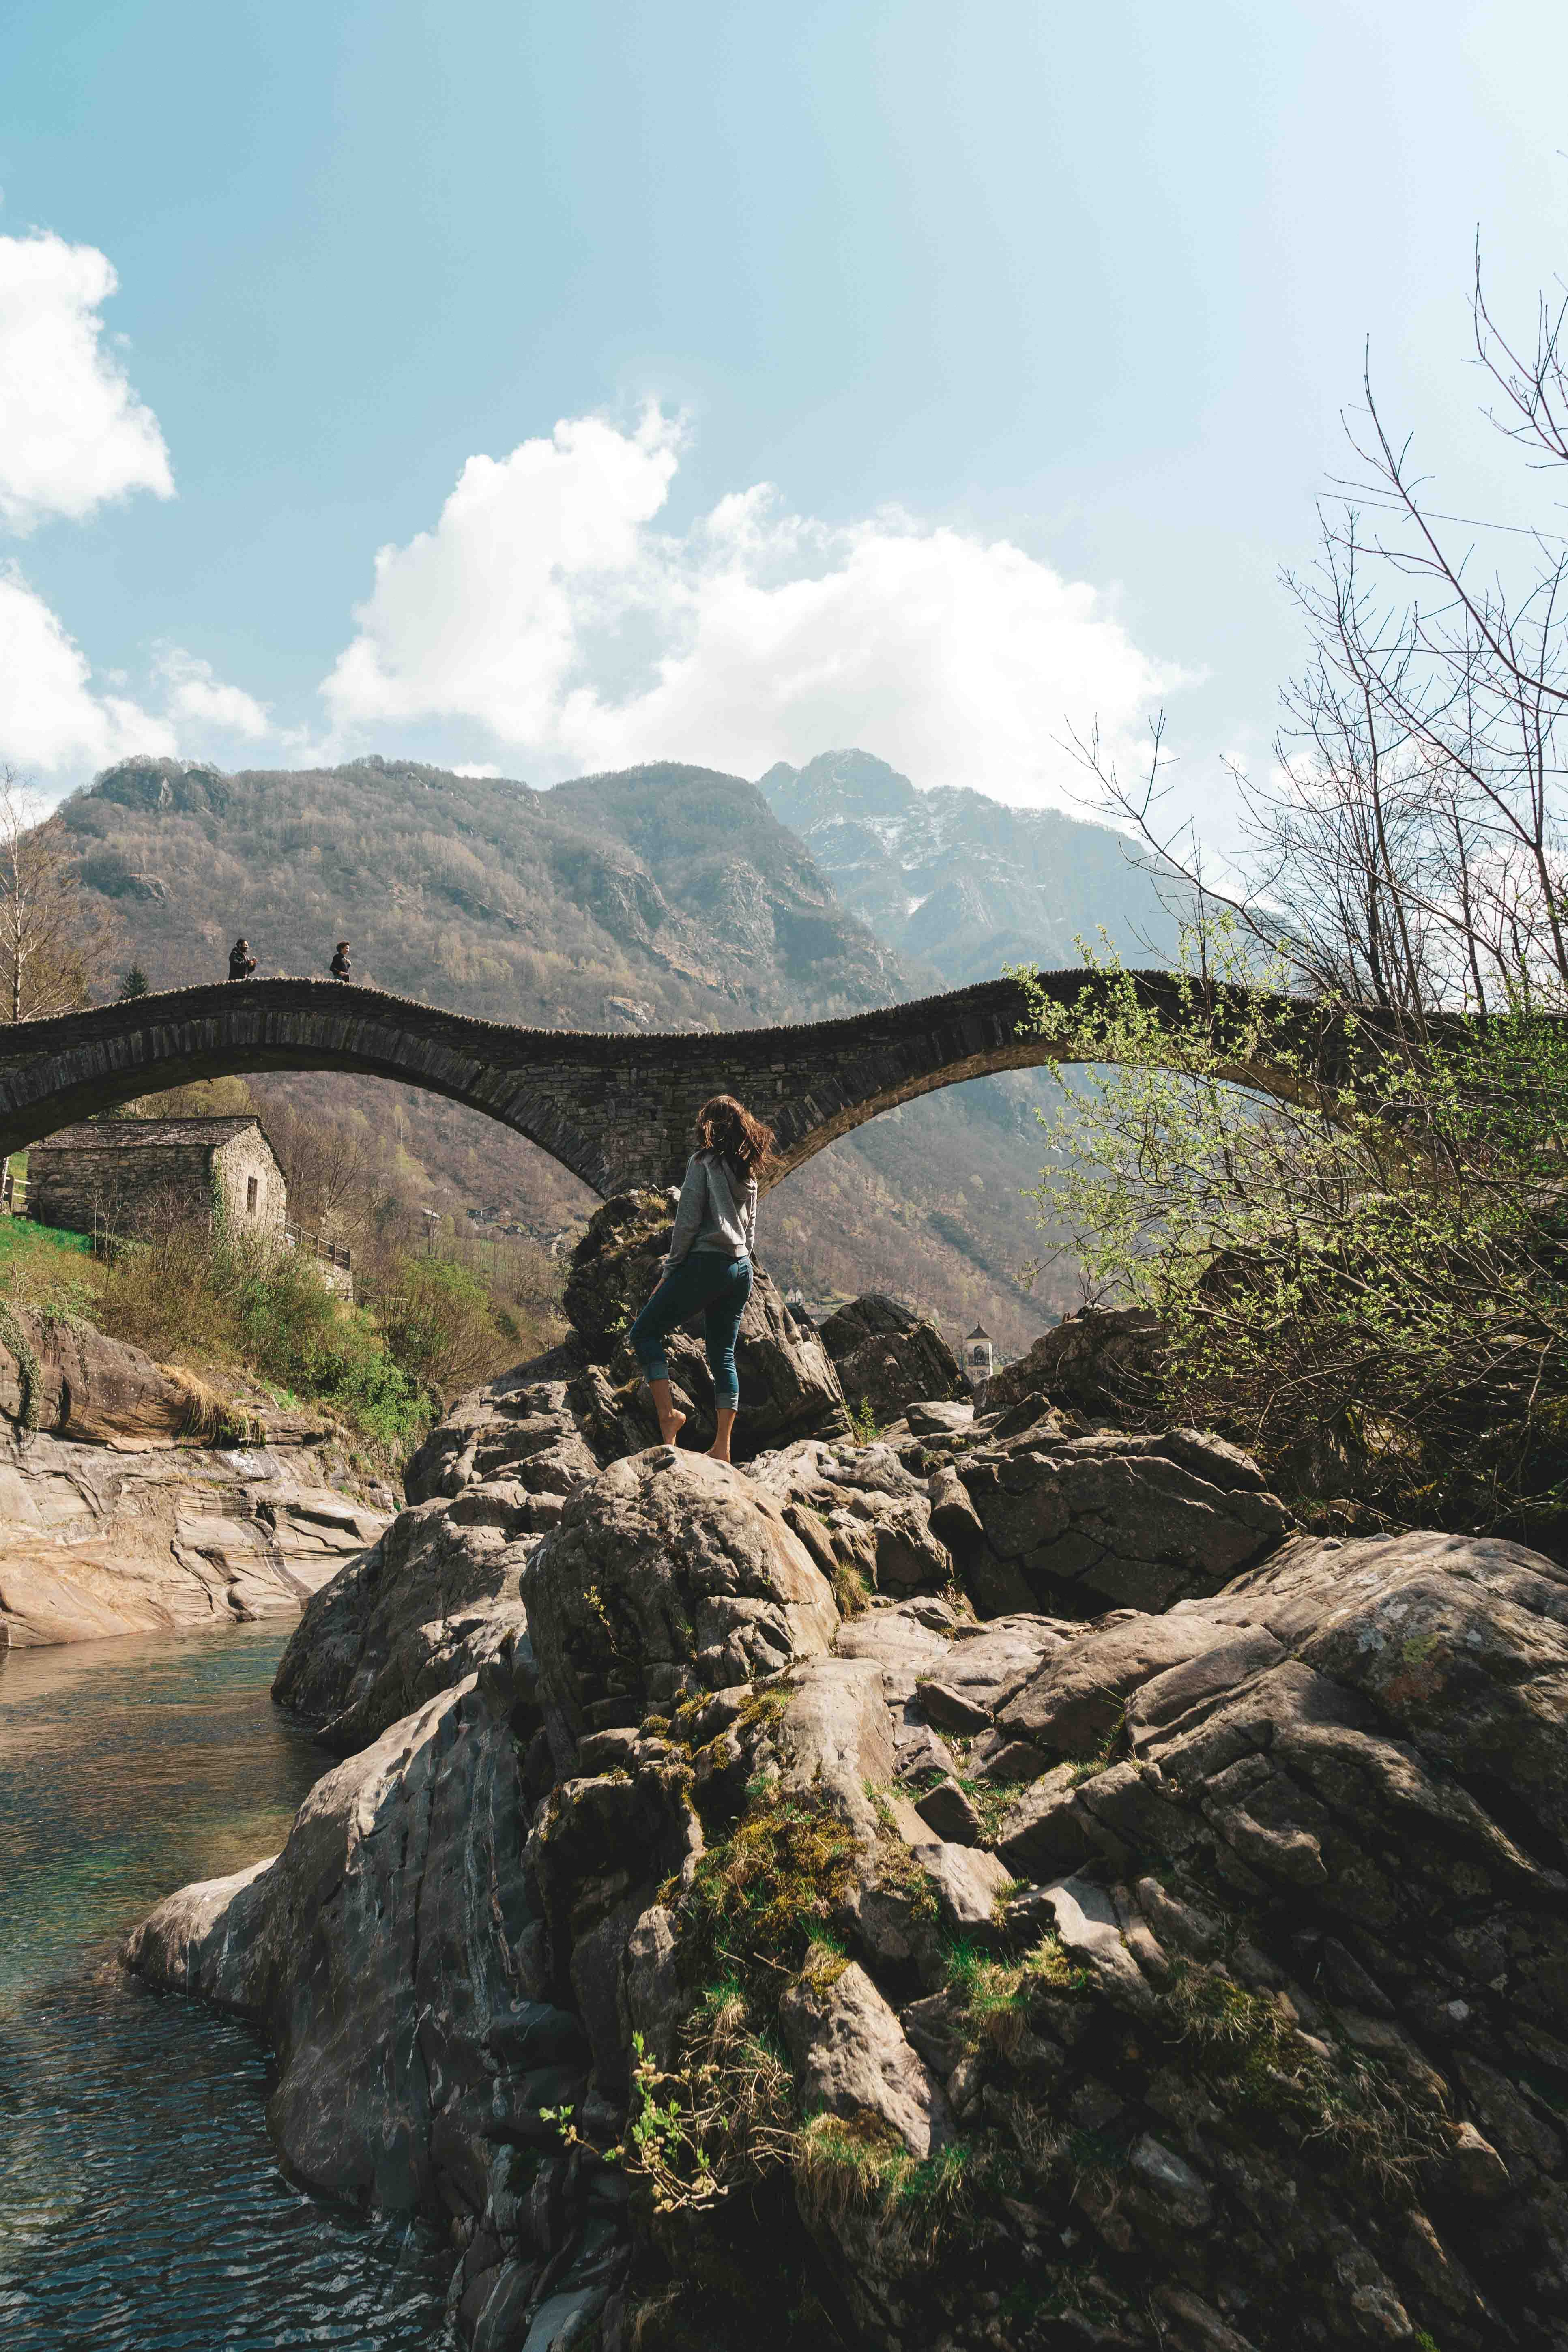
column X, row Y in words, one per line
column 962, row 882
column 994, row 1887
column 117, row 1518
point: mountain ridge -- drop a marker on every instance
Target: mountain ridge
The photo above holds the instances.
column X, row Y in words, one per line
column 964, row 883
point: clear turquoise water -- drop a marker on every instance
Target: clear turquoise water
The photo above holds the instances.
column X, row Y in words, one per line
column 142, row 2208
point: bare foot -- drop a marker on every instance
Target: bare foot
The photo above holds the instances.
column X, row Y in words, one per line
column 711, row 1453
column 670, row 1430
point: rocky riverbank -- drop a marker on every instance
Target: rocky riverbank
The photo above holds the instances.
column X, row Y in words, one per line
column 122, row 1510
column 992, row 1887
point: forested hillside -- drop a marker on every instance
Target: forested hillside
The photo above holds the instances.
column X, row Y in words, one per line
column 668, row 897
column 661, row 897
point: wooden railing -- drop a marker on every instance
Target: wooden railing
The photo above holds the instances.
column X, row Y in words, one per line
column 314, row 1246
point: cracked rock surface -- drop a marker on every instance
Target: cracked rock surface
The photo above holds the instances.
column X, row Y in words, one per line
column 756, row 1941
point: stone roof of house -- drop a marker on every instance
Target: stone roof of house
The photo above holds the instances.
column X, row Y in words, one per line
column 144, row 1134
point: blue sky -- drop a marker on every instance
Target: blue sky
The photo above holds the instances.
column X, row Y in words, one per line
column 1038, row 320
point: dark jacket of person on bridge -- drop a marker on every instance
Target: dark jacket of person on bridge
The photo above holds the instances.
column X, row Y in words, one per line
column 241, row 962
column 340, row 966
column 709, row 1263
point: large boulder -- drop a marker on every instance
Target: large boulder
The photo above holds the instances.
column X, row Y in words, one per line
column 1104, row 1362
column 1189, row 1977
column 96, row 1541
column 1267, row 2040
column 134, row 1499
column 60, row 1375
column 669, row 1585
column 430, row 1601
column 789, row 1389
column 614, row 1266
column 668, row 1575
column 387, row 1967
column 888, row 1358
column 397, row 1954
column 438, row 1596
column 526, row 1428
column 1074, row 1526
column 858, row 1508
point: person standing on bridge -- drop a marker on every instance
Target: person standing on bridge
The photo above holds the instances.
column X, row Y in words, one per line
column 241, row 962
column 339, row 966
column 708, row 1264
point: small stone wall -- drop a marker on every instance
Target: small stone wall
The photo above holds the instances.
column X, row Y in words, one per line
column 131, row 1191
column 246, row 1160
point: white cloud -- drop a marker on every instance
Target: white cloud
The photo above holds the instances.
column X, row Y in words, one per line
column 57, row 723
column 50, row 718
column 196, row 694
column 545, row 606
column 72, row 432
column 475, row 767
column 72, row 435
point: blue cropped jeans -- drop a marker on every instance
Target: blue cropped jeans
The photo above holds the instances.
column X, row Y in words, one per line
column 720, row 1287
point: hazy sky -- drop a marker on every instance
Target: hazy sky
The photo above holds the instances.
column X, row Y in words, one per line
column 549, row 387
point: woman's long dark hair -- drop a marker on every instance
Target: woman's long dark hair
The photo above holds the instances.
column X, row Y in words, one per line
column 727, row 1127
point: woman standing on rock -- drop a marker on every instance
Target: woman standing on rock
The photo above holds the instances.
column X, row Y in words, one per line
column 708, row 1265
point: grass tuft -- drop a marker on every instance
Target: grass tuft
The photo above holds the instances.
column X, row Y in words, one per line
column 212, row 1419
column 991, row 1800
column 850, row 1590
column 1253, row 2057
column 997, row 1995
column 1110, row 1748
column 856, row 2165
column 763, row 1898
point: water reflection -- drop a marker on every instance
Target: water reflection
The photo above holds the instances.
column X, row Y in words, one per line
column 142, row 2206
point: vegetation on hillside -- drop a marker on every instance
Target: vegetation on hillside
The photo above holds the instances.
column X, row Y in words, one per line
column 666, row 897
column 1370, row 1285
column 261, row 1324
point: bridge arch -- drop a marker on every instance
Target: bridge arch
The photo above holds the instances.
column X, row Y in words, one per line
column 614, row 1109
column 81, row 1065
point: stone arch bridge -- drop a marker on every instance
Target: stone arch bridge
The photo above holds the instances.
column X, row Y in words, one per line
column 615, row 1110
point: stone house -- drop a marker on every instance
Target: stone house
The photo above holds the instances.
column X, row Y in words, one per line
column 135, row 1176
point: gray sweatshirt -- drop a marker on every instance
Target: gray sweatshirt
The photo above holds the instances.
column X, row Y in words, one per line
column 711, row 1216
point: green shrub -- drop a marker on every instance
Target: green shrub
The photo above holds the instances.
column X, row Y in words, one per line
column 191, row 1296
column 165, row 1297
column 1364, row 1279
column 293, row 1331
column 442, row 1326
column 864, row 1426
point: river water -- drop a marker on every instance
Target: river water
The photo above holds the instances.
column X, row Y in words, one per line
column 142, row 2208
